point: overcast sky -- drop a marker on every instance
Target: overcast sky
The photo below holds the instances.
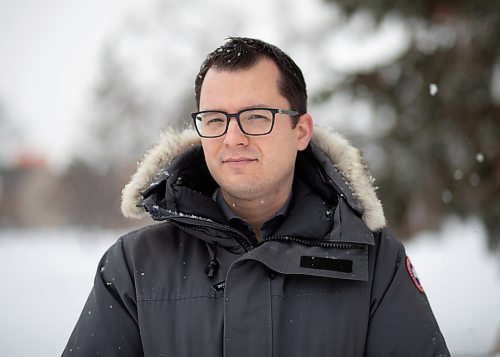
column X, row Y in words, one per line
column 49, row 51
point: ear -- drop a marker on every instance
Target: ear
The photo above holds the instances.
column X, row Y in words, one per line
column 304, row 131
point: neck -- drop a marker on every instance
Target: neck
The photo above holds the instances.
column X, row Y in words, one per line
column 257, row 210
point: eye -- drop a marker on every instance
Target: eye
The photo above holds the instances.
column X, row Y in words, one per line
column 257, row 117
column 212, row 118
column 214, row 121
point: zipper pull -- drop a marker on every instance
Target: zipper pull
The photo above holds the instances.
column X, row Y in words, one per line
column 211, row 268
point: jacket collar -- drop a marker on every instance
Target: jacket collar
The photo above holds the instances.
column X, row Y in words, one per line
column 342, row 164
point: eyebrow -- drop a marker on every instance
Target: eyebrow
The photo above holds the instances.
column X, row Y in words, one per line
column 244, row 108
column 256, row 106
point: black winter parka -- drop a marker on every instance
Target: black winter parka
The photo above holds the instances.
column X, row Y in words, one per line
column 330, row 281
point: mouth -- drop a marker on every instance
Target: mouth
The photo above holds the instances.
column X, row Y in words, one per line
column 238, row 160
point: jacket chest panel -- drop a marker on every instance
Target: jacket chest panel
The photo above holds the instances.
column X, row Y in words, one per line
column 182, row 327
column 325, row 315
column 287, row 314
column 292, row 315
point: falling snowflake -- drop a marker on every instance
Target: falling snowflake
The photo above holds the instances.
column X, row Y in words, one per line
column 433, row 89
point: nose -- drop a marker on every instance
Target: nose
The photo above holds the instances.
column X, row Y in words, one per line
column 234, row 136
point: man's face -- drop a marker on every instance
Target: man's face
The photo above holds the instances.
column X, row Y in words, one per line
column 252, row 167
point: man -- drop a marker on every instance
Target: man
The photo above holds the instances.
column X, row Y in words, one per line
column 271, row 240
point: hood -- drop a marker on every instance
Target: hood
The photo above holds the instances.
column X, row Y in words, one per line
column 341, row 162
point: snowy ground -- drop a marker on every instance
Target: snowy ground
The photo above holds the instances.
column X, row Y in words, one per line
column 47, row 275
column 462, row 280
column 46, row 278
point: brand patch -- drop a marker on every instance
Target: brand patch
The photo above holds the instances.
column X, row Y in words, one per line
column 413, row 275
column 219, row 286
column 322, row 263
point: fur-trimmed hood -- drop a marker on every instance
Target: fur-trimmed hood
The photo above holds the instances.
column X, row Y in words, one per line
column 348, row 172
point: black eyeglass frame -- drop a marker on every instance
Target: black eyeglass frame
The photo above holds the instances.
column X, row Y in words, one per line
column 274, row 111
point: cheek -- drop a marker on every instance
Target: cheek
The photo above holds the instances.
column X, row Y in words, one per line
column 209, row 151
column 279, row 154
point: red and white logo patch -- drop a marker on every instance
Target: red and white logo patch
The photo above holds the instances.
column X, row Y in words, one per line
column 414, row 276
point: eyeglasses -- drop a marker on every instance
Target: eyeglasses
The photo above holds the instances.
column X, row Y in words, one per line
column 254, row 121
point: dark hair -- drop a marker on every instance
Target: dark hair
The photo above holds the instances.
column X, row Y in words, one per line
column 242, row 53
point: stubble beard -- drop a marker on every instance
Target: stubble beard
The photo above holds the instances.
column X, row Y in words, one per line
column 243, row 191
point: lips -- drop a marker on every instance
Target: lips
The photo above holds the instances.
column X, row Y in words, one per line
column 238, row 160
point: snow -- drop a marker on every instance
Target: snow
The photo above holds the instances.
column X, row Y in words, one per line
column 474, row 179
column 433, row 89
column 458, row 175
column 46, row 278
column 462, row 280
column 446, row 196
column 47, row 275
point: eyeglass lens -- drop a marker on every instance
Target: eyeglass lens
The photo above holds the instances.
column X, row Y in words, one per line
column 252, row 121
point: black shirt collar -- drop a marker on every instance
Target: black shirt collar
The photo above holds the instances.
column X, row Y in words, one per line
column 268, row 227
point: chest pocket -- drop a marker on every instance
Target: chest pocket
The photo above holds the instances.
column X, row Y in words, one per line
column 315, row 313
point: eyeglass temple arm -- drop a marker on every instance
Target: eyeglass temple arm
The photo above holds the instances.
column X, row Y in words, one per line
column 288, row 112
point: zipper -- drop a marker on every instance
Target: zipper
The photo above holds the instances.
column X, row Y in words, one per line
column 242, row 239
column 315, row 243
column 238, row 237
column 230, row 231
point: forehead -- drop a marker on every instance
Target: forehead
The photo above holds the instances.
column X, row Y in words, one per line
column 258, row 83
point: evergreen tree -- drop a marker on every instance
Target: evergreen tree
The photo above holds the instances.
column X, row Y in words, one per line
column 442, row 155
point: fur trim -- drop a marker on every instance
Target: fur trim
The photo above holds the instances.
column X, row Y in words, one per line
column 347, row 159
column 354, row 169
column 171, row 145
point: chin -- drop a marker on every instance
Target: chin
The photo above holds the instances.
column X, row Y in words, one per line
column 242, row 191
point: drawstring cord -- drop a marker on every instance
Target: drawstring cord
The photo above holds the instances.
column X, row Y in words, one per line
column 213, row 265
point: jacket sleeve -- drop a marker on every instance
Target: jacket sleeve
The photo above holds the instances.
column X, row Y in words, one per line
column 401, row 320
column 108, row 323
